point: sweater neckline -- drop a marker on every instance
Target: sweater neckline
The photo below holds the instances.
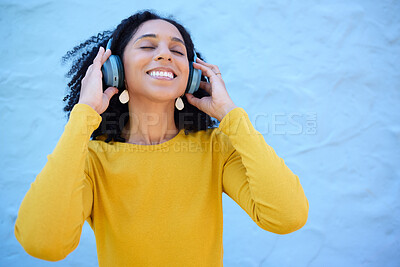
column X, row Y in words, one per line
column 162, row 145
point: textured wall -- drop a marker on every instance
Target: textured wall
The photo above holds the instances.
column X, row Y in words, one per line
column 320, row 80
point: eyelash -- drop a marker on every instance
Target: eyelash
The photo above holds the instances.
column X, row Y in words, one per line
column 171, row 50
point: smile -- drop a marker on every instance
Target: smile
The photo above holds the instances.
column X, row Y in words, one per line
column 162, row 75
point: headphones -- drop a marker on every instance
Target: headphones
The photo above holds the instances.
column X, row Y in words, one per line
column 113, row 72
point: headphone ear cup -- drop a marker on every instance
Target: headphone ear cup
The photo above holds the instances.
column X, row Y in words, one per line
column 113, row 70
column 194, row 78
column 189, row 84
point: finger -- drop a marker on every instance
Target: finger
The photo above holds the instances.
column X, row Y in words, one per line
column 207, row 72
column 193, row 100
column 211, row 66
column 110, row 91
column 97, row 59
column 201, row 61
column 106, row 55
column 206, row 86
column 198, row 60
column 88, row 69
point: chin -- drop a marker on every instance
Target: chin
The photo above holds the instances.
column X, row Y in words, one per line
column 172, row 89
column 164, row 93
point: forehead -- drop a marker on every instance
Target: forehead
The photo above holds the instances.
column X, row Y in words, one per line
column 159, row 27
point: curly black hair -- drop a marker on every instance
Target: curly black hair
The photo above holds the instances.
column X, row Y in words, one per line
column 115, row 117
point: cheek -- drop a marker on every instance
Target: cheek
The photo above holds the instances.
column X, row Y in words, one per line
column 184, row 75
column 132, row 67
column 185, row 69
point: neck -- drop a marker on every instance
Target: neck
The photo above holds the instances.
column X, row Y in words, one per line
column 149, row 123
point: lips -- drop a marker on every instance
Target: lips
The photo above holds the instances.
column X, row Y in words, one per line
column 163, row 69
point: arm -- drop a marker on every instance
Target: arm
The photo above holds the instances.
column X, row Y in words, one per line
column 53, row 211
column 258, row 180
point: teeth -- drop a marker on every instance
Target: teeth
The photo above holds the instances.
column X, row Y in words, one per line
column 162, row 74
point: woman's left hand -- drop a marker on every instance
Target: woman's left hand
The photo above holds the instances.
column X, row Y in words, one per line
column 218, row 104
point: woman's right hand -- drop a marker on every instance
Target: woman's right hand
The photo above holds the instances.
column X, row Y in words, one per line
column 92, row 84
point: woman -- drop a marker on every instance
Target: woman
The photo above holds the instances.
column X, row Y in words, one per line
column 151, row 192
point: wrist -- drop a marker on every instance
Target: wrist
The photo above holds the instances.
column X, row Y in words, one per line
column 225, row 110
column 89, row 104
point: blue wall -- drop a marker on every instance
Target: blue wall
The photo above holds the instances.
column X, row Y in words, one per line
column 319, row 79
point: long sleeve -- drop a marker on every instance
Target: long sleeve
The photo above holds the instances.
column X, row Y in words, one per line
column 258, row 180
column 53, row 211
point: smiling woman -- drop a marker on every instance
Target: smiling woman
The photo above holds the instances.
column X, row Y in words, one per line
column 136, row 37
column 151, row 194
column 148, row 60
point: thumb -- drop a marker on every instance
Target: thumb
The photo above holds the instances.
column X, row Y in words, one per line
column 110, row 91
column 193, row 100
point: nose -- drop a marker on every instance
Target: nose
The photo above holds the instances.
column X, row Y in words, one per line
column 163, row 53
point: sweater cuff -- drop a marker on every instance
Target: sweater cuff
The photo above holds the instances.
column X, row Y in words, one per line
column 85, row 116
column 234, row 121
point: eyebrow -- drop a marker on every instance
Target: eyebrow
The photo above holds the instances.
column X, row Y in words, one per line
column 152, row 35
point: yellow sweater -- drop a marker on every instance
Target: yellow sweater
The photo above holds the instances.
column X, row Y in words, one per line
column 156, row 205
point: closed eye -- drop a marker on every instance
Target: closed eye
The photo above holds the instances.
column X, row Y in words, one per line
column 177, row 52
column 150, row 47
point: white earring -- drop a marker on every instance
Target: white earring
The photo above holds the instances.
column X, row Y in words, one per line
column 124, row 97
column 179, row 103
